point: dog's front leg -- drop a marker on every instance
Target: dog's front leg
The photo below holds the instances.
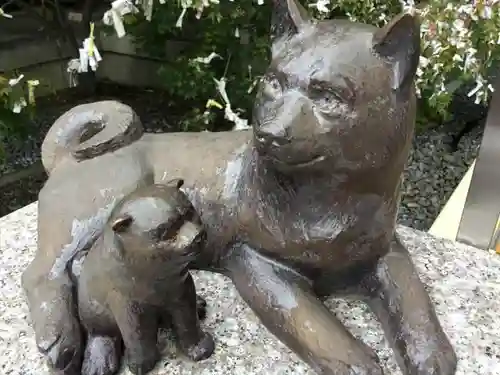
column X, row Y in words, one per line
column 287, row 306
column 401, row 303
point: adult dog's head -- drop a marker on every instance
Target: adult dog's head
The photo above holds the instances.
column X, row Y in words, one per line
column 338, row 95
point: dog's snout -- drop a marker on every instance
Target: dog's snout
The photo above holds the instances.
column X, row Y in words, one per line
column 273, row 134
column 271, row 131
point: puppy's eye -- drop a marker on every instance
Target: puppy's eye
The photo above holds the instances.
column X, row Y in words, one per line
column 171, row 229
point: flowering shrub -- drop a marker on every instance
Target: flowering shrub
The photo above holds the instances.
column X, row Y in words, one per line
column 17, row 99
column 227, row 48
column 459, row 45
column 13, row 90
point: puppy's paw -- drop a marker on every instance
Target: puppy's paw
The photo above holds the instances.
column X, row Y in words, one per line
column 143, row 363
column 203, row 349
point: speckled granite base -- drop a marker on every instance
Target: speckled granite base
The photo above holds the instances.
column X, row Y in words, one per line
column 464, row 283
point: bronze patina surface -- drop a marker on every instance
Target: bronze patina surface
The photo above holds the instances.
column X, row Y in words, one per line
column 135, row 279
column 301, row 207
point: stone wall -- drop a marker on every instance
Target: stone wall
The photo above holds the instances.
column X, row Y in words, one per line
column 25, row 48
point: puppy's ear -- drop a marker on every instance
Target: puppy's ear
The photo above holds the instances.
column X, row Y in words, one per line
column 122, row 223
column 177, row 182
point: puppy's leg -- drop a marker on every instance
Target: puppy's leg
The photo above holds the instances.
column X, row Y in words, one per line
column 102, row 355
column 195, row 343
column 201, row 308
column 402, row 305
column 139, row 330
column 287, row 306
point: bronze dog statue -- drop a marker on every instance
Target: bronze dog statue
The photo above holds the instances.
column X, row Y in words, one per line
column 135, row 279
column 302, row 207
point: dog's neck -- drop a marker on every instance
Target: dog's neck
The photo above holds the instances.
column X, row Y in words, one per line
column 286, row 188
column 296, row 188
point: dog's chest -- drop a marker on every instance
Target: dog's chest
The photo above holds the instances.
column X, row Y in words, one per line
column 317, row 232
column 287, row 227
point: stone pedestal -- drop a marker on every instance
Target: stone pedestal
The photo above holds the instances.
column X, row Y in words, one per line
column 464, row 283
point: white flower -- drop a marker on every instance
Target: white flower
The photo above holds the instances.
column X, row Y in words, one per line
column 479, row 86
column 424, row 61
column 486, row 12
column 19, row 105
column 321, row 6
column 408, row 6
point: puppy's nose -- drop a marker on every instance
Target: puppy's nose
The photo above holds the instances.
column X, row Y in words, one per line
column 187, row 234
column 200, row 237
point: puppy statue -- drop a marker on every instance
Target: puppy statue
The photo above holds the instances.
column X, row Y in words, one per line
column 134, row 280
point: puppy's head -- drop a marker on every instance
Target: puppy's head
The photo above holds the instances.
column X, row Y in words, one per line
column 157, row 228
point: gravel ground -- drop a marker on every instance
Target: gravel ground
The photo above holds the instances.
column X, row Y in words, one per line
column 430, row 178
column 432, row 174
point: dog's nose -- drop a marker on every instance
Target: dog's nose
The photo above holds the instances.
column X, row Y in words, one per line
column 273, row 129
column 269, row 137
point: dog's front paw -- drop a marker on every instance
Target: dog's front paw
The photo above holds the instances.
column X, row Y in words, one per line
column 59, row 339
column 203, row 349
column 63, row 353
column 442, row 361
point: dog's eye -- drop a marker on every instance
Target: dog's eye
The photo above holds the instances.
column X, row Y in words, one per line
column 271, row 86
column 329, row 97
column 324, row 95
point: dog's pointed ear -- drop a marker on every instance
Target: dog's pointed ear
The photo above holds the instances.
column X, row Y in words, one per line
column 399, row 43
column 176, row 182
column 288, row 17
column 122, row 223
column 298, row 13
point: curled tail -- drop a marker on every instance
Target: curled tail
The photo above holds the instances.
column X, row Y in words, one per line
column 90, row 130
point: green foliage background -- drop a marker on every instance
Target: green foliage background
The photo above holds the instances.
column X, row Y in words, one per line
column 243, row 58
column 238, row 31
